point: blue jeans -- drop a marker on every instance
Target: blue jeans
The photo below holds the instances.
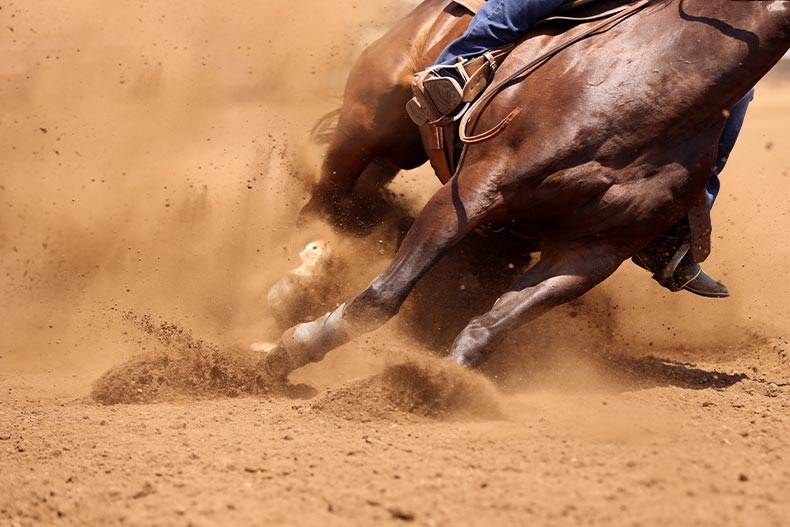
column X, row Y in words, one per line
column 497, row 24
column 726, row 143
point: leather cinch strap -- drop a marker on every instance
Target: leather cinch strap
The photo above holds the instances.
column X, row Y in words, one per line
column 473, row 115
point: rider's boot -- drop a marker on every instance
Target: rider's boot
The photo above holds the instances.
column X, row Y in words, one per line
column 438, row 93
column 445, row 92
column 670, row 261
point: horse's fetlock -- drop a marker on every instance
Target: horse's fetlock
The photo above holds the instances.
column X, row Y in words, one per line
column 379, row 302
column 310, row 341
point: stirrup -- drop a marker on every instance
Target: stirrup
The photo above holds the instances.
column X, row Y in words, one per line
column 416, row 112
column 442, row 98
column 682, row 273
column 666, row 275
column 435, row 96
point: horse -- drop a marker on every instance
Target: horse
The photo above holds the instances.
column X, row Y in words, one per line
column 615, row 142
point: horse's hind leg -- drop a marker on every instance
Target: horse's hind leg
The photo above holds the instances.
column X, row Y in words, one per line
column 562, row 274
column 373, row 130
column 366, row 152
column 449, row 215
column 374, row 137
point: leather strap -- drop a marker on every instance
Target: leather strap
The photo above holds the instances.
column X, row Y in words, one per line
column 591, row 18
column 666, row 274
column 570, row 5
column 435, row 138
column 699, row 223
column 479, row 71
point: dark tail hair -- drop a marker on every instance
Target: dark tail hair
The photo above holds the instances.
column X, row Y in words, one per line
column 324, row 129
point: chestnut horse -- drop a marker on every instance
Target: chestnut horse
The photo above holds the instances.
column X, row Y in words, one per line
column 615, row 143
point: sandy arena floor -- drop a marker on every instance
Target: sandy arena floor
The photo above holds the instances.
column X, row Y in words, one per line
column 153, row 159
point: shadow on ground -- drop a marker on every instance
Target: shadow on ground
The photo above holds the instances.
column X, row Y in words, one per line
column 651, row 371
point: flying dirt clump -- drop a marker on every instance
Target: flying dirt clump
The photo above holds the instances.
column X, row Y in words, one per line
column 186, row 367
column 421, row 387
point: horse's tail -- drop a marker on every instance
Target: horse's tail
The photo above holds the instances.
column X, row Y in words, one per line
column 424, row 40
column 325, row 127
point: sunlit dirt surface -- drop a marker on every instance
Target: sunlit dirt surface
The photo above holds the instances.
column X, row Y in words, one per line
column 153, row 157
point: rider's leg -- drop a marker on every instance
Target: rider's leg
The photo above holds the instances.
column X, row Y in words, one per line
column 729, row 136
column 497, row 24
column 688, row 274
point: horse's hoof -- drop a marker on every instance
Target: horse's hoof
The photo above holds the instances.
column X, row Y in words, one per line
column 275, row 364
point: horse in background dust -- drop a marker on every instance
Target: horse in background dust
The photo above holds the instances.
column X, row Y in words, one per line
column 615, row 144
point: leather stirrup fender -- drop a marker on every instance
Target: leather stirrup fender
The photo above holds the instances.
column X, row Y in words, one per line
column 700, row 226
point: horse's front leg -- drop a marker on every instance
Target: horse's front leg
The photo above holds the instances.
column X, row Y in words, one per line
column 562, row 274
column 449, row 215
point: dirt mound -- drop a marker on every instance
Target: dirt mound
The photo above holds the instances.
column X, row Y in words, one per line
column 156, row 377
column 418, row 387
column 185, row 367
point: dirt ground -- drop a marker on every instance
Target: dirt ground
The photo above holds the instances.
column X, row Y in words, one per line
column 153, row 157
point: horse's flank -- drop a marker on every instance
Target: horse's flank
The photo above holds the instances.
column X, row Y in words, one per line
column 663, row 95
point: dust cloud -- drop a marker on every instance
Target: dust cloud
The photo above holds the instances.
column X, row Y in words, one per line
column 155, row 156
